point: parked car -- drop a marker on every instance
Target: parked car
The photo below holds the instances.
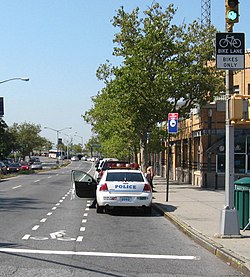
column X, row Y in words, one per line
column 13, row 168
column 100, row 165
column 24, row 166
column 3, row 168
column 124, row 188
column 36, row 165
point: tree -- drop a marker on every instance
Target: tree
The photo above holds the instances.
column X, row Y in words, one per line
column 27, row 138
column 163, row 65
column 7, row 140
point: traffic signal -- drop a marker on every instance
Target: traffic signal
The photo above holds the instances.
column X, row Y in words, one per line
column 232, row 11
column 236, row 107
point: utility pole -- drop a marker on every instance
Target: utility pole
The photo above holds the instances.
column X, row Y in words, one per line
column 229, row 223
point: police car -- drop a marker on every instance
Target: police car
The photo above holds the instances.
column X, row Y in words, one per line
column 126, row 187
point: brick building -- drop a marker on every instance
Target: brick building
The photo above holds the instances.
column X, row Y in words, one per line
column 198, row 150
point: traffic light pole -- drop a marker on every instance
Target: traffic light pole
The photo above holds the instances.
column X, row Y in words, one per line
column 229, row 223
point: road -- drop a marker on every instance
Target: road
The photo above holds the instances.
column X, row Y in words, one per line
column 43, row 232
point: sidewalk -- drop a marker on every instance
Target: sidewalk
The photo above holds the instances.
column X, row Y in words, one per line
column 196, row 212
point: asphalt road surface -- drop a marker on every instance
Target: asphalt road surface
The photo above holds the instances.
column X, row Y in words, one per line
column 43, row 232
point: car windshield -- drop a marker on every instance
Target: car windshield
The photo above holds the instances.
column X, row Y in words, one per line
column 124, row 177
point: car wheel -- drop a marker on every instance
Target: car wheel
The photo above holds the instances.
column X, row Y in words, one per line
column 99, row 209
column 148, row 210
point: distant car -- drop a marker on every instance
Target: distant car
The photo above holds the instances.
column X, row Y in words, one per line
column 3, row 168
column 36, row 165
column 24, row 166
column 33, row 159
column 74, row 158
column 84, row 158
column 124, row 188
column 13, row 168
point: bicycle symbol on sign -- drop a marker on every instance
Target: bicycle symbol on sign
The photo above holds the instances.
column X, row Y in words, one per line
column 230, row 40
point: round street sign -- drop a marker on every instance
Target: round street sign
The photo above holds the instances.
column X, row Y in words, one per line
column 172, row 122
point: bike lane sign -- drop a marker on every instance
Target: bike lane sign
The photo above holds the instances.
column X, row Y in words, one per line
column 230, row 51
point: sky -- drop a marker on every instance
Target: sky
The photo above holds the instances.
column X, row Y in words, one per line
column 59, row 44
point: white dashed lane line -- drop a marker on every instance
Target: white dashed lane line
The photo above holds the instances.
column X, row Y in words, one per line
column 17, row 187
column 35, row 227
column 82, row 228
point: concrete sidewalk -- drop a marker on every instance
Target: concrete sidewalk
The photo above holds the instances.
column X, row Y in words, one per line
column 197, row 212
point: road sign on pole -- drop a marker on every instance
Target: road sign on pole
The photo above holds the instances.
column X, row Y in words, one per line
column 230, row 51
column 173, row 123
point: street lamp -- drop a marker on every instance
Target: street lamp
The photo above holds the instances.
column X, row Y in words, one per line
column 82, row 140
column 1, row 98
column 69, row 141
column 57, row 136
column 16, row 78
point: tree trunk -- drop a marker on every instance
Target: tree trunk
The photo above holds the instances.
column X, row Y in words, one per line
column 144, row 154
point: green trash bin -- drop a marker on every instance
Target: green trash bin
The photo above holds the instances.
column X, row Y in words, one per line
column 241, row 201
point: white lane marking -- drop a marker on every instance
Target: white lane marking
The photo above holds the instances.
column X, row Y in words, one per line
column 35, row 227
column 86, row 209
column 50, row 213
column 57, row 174
column 79, row 239
column 60, row 201
column 25, row 237
column 39, row 238
column 54, row 208
column 37, row 181
column 88, row 205
column 63, row 197
column 84, row 220
column 49, row 177
column 99, row 254
column 17, row 187
column 43, row 219
column 57, row 204
column 66, row 239
column 82, row 229
column 85, row 214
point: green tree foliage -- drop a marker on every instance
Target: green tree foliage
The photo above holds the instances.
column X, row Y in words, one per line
column 164, row 65
column 7, row 140
column 27, row 138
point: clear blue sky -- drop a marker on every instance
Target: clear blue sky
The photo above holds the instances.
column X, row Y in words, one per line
column 59, row 45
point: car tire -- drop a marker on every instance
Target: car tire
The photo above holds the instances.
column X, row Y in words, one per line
column 148, row 210
column 99, row 209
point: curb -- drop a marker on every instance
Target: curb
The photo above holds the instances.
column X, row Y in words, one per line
column 218, row 250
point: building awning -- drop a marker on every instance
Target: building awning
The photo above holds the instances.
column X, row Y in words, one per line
column 217, row 144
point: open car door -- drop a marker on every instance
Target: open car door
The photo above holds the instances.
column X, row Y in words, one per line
column 83, row 184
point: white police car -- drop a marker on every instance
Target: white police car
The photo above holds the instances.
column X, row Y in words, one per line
column 123, row 188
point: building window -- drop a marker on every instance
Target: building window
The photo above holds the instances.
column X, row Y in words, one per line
column 241, row 156
column 198, row 156
column 236, row 89
column 221, row 163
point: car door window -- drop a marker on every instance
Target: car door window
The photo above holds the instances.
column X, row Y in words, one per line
column 83, row 185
